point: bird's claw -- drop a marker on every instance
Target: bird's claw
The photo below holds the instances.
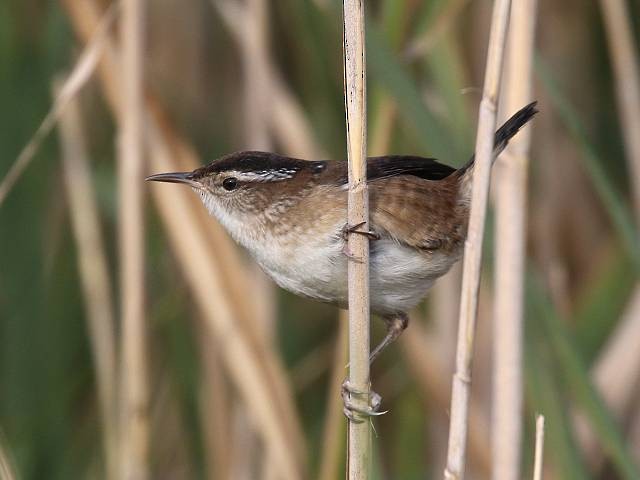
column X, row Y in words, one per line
column 370, row 234
column 356, row 413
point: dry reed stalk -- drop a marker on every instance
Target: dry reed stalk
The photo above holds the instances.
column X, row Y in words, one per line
column 199, row 267
column 134, row 426
column 82, row 71
column 510, row 231
column 622, row 48
column 7, row 470
column 634, row 436
column 287, row 119
column 426, row 364
column 539, row 451
column 228, row 264
column 94, row 273
column 257, row 103
column 333, row 431
column 359, row 436
column 214, row 405
column 615, row 374
column 219, row 261
column 460, row 392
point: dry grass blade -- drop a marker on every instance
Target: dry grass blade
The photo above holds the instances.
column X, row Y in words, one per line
column 287, row 119
column 94, row 273
column 511, row 198
column 618, row 27
column 278, row 424
column 334, row 420
column 428, row 368
column 190, row 244
column 539, row 452
column 7, row 471
column 134, row 426
column 82, row 71
column 257, row 103
column 359, row 444
column 615, row 375
column 214, row 406
column 473, row 246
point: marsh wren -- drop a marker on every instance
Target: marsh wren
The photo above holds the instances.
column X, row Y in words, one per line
column 290, row 215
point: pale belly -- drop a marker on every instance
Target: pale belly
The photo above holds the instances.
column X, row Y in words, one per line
column 399, row 276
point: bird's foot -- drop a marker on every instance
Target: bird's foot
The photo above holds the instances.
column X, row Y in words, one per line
column 370, row 234
column 356, row 413
column 346, row 230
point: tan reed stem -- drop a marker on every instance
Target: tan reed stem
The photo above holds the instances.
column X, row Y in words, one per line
column 359, row 434
column 94, row 272
column 539, row 452
column 287, row 119
column 7, row 469
column 430, row 368
column 199, row 267
column 511, row 200
column 253, row 368
column 81, row 73
column 134, row 426
column 473, row 246
column 622, row 48
column 214, row 405
column 334, row 421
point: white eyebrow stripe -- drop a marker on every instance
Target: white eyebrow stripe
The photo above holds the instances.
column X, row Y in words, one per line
column 267, row 175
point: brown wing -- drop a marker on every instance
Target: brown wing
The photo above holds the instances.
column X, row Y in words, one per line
column 424, row 214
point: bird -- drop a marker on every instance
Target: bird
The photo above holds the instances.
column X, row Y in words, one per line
column 290, row 215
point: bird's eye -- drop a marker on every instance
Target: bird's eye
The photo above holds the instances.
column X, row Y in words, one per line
column 230, row 183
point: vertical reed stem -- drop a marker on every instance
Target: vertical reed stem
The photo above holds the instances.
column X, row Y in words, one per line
column 618, row 27
column 473, row 246
column 94, row 273
column 359, row 437
column 511, row 198
column 134, row 440
column 539, row 452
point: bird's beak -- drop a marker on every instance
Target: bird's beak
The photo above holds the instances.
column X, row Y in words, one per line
column 174, row 177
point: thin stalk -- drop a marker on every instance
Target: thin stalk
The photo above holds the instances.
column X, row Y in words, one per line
column 511, row 199
column 7, row 467
column 81, row 73
column 134, row 427
column 618, row 27
column 214, row 406
column 201, row 270
column 359, row 434
column 333, row 432
column 539, row 452
column 615, row 374
column 429, row 369
column 473, row 246
column 254, row 369
column 94, row 273
column 287, row 119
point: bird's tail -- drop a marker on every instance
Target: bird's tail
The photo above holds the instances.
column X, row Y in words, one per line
column 505, row 132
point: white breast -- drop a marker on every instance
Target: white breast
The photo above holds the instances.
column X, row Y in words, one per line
column 400, row 277
column 315, row 268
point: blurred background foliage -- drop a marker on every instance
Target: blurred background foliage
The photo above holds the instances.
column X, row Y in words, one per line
column 425, row 70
